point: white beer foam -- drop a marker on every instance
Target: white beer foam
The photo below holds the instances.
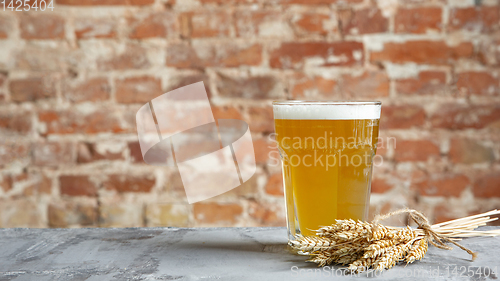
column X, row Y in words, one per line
column 325, row 111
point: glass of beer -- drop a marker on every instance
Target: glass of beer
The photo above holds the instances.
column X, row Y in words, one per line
column 326, row 150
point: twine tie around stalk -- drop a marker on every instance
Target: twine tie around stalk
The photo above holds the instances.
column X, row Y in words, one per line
column 437, row 240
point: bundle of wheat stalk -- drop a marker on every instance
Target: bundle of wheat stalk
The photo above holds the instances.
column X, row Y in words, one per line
column 363, row 245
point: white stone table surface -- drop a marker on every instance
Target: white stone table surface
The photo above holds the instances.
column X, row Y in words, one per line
column 206, row 254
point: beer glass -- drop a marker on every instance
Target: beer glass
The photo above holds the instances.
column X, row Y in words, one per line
column 326, row 150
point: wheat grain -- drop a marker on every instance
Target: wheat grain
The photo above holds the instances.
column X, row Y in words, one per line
column 391, row 257
column 361, row 264
column 345, row 251
column 323, row 258
column 326, row 258
column 327, row 231
column 348, row 235
column 405, row 234
column 377, row 248
column 312, row 243
column 345, row 230
column 379, row 232
column 347, row 259
column 417, row 251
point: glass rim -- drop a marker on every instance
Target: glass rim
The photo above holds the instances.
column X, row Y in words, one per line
column 325, row 102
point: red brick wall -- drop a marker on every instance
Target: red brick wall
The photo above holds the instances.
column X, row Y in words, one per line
column 72, row 80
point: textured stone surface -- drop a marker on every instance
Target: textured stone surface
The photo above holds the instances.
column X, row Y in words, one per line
column 201, row 254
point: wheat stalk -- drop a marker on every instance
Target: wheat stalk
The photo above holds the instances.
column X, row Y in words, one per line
column 363, row 245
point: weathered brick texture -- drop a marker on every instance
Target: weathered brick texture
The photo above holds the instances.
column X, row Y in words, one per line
column 72, row 79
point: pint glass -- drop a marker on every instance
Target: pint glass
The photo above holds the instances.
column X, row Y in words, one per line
column 326, row 150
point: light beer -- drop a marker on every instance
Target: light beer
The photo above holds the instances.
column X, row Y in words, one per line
column 326, row 150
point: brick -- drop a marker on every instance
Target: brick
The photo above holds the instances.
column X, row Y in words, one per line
column 210, row 54
column 93, row 89
column 383, row 208
column 383, row 148
column 129, row 183
column 478, row 83
column 264, row 24
column 15, row 122
column 363, row 21
column 135, row 152
column 298, row 54
column 104, row 2
column 176, row 215
column 217, row 213
column 53, row 57
column 86, row 28
column 455, row 116
column 114, row 213
column 31, row 89
column 5, row 27
column 401, row 116
column 313, row 23
column 255, row 87
column 447, row 185
column 422, row 52
column 13, row 152
column 99, row 120
column 367, row 85
column 209, row 23
column 482, row 18
column 47, row 26
column 386, row 141
column 21, row 212
column 248, row 189
column 90, row 152
column 132, row 56
column 427, row 83
column 5, row 183
column 196, row 147
column 380, row 185
column 304, row 86
column 77, row 186
column 137, row 89
column 53, row 153
column 487, row 186
column 264, row 150
column 174, row 184
column 318, row 2
column 266, row 214
column 260, row 119
column 159, row 24
column 418, row 20
column 181, row 80
column 72, row 214
column 34, row 183
column 20, row 180
column 443, row 213
column 469, row 151
column 415, row 150
column 227, row 112
column 226, row 2
column 274, row 185
column 489, row 51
